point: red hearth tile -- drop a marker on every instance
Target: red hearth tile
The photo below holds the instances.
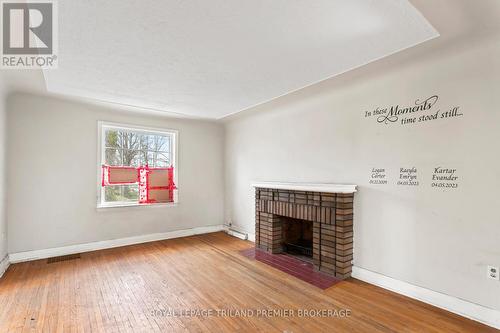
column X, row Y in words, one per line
column 293, row 266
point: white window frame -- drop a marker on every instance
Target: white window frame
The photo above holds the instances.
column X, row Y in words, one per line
column 101, row 127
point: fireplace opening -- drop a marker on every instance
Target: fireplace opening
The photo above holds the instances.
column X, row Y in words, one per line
column 298, row 238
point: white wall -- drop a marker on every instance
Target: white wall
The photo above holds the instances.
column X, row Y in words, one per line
column 3, row 145
column 438, row 239
column 52, row 168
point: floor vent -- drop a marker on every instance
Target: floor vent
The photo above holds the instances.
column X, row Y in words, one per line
column 63, row 258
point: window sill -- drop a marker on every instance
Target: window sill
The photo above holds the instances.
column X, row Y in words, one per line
column 135, row 205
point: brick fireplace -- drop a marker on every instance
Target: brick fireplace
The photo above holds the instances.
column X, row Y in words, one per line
column 311, row 221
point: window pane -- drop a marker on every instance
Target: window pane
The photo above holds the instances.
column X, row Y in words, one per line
column 120, row 193
column 162, row 144
column 147, row 158
column 113, row 156
column 111, row 138
column 131, row 157
column 129, row 140
column 112, row 193
column 130, row 192
column 143, row 141
column 158, row 143
column 162, row 160
column 153, row 159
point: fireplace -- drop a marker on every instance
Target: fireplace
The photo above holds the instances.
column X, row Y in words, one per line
column 297, row 237
column 313, row 222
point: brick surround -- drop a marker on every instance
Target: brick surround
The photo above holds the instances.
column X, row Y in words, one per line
column 332, row 218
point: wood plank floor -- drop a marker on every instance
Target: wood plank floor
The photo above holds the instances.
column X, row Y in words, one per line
column 144, row 288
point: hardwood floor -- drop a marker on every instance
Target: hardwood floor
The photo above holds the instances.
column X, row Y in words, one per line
column 131, row 289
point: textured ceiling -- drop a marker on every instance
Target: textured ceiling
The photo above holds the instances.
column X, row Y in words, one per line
column 214, row 58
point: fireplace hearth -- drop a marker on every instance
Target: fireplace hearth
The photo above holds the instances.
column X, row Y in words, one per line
column 312, row 222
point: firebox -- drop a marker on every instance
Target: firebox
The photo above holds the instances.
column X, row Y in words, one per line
column 297, row 237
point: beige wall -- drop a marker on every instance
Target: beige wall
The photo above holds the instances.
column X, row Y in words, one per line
column 52, row 168
column 435, row 238
column 3, row 146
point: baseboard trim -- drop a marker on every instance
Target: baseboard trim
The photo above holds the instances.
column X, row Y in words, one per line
column 4, row 264
column 459, row 306
column 107, row 244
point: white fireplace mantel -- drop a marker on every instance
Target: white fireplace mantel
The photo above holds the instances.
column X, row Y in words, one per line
column 317, row 187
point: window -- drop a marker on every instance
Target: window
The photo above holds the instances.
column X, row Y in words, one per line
column 137, row 165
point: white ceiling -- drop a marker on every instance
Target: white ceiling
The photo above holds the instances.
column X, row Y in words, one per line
column 214, row 58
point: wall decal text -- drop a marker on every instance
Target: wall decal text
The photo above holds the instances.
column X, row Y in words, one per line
column 444, row 178
column 408, row 177
column 378, row 176
column 422, row 110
